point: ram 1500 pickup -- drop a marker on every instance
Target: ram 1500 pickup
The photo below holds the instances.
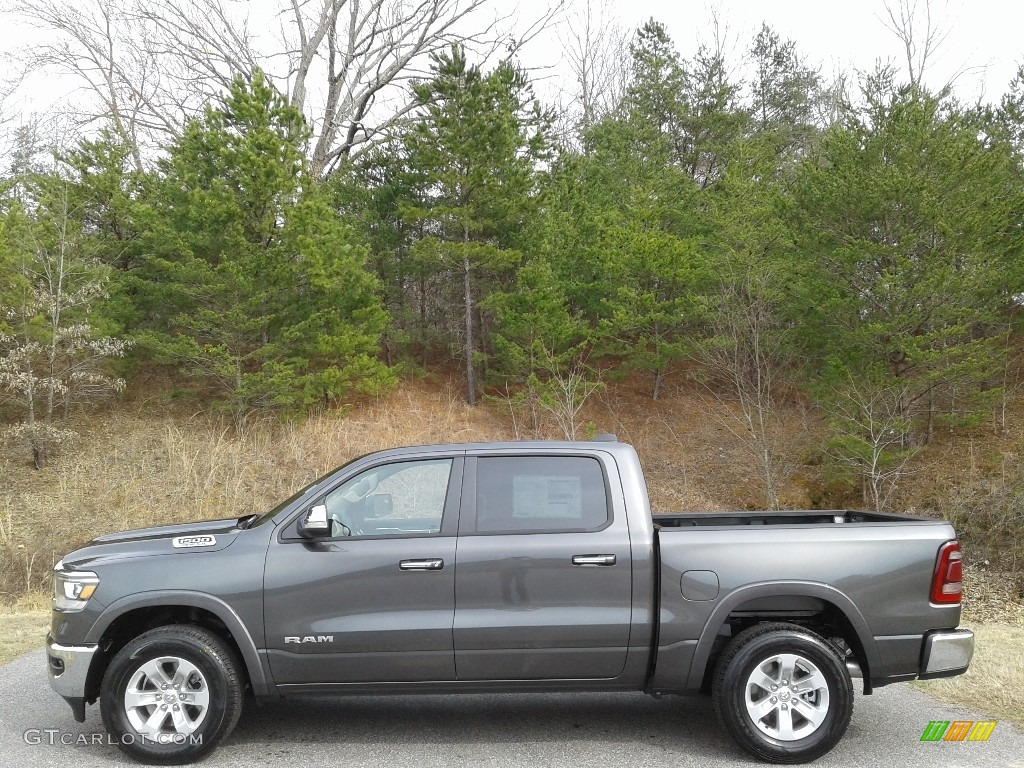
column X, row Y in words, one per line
column 503, row 567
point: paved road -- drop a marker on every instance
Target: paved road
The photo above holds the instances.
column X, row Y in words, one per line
column 549, row 730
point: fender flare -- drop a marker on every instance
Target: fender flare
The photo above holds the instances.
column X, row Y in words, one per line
column 259, row 678
column 747, row 592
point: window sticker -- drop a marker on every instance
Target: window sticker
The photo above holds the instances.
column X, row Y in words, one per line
column 547, row 496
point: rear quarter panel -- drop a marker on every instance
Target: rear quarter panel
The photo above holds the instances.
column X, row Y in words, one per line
column 878, row 574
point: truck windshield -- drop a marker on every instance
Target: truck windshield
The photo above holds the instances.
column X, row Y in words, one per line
column 308, row 490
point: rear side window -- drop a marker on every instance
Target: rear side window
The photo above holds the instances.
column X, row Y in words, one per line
column 532, row 494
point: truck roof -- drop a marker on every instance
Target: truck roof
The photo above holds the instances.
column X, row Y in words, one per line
column 511, row 445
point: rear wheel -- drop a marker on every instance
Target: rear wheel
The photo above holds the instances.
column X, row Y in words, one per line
column 172, row 694
column 783, row 693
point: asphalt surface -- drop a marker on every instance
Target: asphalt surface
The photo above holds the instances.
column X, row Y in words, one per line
column 548, row 730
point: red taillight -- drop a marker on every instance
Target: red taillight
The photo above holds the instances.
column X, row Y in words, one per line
column 946, row 582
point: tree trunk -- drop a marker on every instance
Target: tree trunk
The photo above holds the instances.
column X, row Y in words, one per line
column 423, row 320
column 468, row 299
column 769, row 477
column 657, row 384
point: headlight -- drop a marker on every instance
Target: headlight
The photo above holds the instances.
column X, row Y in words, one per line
column 72, row 589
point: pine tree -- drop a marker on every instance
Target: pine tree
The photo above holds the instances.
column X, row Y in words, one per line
column 541, row 348
column 251, row 281
column 474, row 155
column 783, row 90
column 624, row 221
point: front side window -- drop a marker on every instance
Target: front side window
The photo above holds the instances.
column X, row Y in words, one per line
column 405, row 498
column 520, row 494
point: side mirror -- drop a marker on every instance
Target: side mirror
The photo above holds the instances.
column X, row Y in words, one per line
column 315, row 523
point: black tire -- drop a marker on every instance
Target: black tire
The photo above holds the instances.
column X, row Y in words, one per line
column 179, row 725
column 782, row 734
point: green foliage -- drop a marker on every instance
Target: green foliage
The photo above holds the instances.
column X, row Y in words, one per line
column 541, row 349
column 535, row 332
column 623, row 226
column 372, row 195
column 105, row 190
column 655, row 105
column 913, row 222
column 679, row 113
column 716, row 118
column 911, row 214
column 655, row 277
column 251, row 280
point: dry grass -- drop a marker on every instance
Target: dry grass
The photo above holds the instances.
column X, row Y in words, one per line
column 691, row 457
column 994, row 684
column 24, row 626
column 991, row 596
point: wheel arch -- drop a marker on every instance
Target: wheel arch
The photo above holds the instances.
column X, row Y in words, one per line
column 132, row 615
column 757, row 597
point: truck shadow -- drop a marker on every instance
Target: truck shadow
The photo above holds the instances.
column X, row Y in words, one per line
column 625, row 718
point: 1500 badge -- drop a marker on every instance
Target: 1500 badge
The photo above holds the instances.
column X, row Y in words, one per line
column 184, row 542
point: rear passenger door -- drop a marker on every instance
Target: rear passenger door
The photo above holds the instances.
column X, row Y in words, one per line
column 543, row 578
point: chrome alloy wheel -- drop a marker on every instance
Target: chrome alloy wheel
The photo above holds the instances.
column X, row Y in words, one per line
column 167, row 698
column 787, row 697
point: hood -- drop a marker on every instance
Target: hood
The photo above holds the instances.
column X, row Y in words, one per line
column 180, row 540
column 170, row 531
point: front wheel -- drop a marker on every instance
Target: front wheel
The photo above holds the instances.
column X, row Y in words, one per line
column 172, row 694
column 783, row 693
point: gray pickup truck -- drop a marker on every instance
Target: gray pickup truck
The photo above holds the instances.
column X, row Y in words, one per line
column 503, row 567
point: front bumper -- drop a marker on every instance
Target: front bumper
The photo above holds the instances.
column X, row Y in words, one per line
column 68, row 669
column 946, row 653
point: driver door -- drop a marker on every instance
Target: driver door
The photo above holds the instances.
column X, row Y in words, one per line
column 373, row 601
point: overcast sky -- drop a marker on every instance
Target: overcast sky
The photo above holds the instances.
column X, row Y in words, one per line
column 982, row 50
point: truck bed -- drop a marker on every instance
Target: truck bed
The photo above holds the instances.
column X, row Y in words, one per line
column 873, row 569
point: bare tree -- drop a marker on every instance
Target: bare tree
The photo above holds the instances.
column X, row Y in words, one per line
column 564, row 394
column 8, row 86
column 834, row 102
column 105, row 50
column 870, row 429
column 346, row 64
column 597, row 50
column 917, row 26
column 747, row 355
column 51, row 360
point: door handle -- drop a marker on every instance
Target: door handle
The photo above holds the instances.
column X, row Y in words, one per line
column 433, row 564
column 593, row 560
